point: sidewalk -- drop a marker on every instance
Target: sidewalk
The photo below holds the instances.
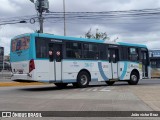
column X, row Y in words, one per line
column 7, row 84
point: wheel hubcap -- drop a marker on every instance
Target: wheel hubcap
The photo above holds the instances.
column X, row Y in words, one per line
column 134, row 77
column 84, row 79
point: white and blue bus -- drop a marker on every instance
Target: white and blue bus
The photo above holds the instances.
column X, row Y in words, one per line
column 63, row 60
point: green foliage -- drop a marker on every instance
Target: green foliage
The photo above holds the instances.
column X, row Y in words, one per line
column 98, row 35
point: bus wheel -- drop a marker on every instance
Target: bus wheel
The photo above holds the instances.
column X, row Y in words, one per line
column 134, row 78
column 61, row 85
column 83, row 79
column 110, row 82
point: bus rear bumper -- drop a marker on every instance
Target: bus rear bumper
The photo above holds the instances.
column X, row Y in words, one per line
column 22, row 78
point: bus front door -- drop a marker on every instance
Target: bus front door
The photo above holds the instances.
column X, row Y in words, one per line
column 113, row 60
column 55, row 65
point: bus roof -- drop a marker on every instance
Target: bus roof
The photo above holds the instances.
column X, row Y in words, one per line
column 46, row 35
column 67, row 38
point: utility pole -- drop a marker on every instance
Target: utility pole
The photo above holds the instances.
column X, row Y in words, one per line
column 41, row 6
column 40, row 16
column 64, row 12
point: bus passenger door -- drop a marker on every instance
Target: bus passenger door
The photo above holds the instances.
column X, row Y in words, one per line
column 144, row 59
column 55, row 66
column 113, row 60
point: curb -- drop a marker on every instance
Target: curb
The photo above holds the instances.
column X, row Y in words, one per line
column 8, row 84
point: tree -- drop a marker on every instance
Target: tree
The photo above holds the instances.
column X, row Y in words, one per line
column 98, row 35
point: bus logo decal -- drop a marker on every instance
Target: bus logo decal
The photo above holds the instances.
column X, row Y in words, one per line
column 52, row 40
column 19, row 53
column 124, row 71
column 101, row 71
column 89, row 64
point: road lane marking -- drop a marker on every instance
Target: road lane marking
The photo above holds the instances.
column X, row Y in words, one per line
column 89, row 89
column 95, row 89
column 104, row 90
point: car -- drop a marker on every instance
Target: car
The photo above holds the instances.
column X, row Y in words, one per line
column 7, row 66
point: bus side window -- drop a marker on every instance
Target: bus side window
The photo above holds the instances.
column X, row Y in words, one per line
column 77, row 55
column 73, row 50
column 103, row 52
column 133, row 54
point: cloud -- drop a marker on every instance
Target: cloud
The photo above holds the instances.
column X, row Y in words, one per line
column 6, row 43
column 8, row 7
column 13, row 30
column 9, row 31
column 129, row 29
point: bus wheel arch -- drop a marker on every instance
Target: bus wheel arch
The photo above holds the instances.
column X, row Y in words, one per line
column 83, row 78
column 134, row 77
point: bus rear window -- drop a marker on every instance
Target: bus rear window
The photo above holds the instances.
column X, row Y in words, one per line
column 20, row 44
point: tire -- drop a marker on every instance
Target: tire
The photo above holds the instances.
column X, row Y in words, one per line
column 110, row 83
column 83, row 79
column 61, row 85
column 134, row 78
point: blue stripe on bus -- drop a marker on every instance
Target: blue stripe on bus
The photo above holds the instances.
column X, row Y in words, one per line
column 94, row 79
column 84, row 60
column 68, row 80
column 131, row 44
column 65, row 80
column 124, row 71
column 101, row 71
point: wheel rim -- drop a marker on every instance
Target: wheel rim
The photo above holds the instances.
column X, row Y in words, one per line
column 84, row 79
column 134, row 78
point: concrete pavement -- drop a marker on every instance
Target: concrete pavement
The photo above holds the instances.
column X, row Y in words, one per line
column 97, row 97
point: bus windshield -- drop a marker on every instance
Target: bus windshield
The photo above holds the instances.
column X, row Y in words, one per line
column 20, row 44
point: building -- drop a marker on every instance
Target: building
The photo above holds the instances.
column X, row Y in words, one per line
column 155, row 62
column 1, row 57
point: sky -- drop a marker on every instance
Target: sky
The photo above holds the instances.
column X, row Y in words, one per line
column 142, row 30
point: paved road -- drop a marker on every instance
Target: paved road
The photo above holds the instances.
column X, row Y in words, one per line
column 99, row 97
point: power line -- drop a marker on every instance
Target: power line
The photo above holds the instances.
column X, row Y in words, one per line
column 151, row 14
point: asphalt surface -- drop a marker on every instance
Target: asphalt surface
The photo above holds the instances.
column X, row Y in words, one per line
column 97, row 97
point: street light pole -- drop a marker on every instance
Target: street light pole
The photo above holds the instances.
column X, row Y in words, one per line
column 64, row 11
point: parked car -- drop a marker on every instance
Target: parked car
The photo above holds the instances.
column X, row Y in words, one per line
column 7, row 66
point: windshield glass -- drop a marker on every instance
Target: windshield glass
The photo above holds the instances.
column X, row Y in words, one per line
column 20, row 44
